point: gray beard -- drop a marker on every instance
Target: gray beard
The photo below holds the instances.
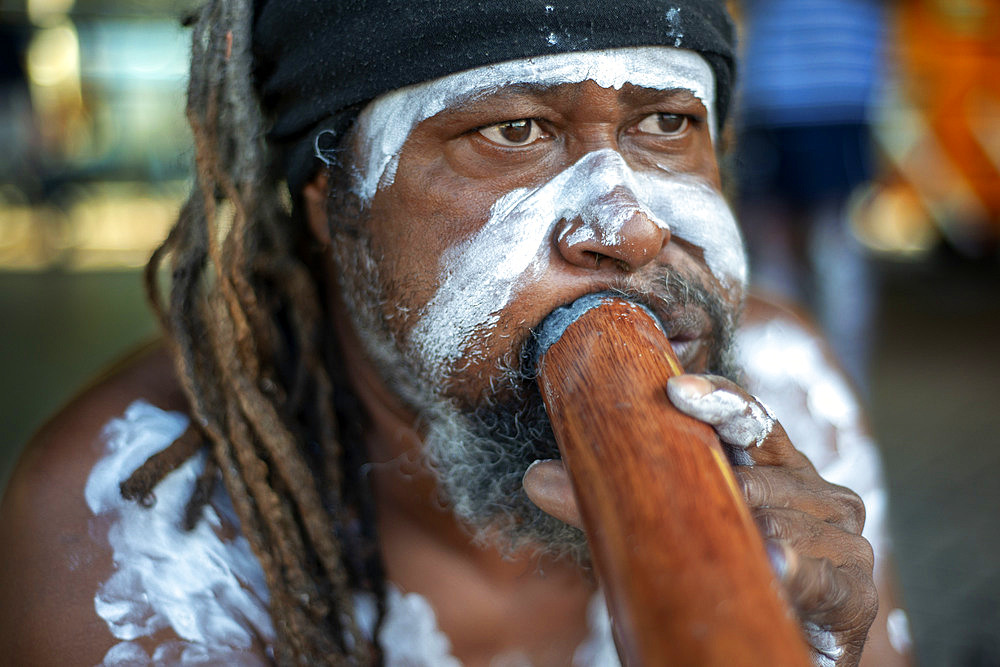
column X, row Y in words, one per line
column 479, row 455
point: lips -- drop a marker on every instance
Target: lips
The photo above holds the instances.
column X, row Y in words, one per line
column 688, row 329
column 687, row 326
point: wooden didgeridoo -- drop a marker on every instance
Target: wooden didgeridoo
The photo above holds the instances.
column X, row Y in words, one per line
column 681, row 562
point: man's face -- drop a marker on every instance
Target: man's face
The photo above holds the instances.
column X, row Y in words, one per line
column 491, row 197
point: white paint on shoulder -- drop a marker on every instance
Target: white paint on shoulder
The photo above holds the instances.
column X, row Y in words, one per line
column 409, row 634
column 786, row 366
column 898, row 628
column 386, row 123
column 481, row 275
column 209, row 590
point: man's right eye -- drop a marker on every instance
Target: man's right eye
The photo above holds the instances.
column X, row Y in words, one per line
column 522, row 132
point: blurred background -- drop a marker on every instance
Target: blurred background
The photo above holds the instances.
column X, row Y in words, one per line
column 869, row 170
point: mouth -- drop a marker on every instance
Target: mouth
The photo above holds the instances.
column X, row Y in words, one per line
column 689, row 330
column 686, row 350
column 686, row 327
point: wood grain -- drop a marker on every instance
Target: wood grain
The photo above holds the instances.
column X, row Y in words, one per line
column 682, row 564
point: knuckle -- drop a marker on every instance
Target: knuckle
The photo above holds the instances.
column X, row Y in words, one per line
column 865, row 554
column 860, row 610
column 850, row 511
column 770, row 524
column 756, row 487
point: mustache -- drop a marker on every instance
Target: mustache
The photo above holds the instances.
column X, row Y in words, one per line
column 680, row 303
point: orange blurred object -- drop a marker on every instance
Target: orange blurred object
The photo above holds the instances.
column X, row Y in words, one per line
column 949, row 57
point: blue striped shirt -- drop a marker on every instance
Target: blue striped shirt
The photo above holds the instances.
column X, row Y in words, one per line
column 811, row 61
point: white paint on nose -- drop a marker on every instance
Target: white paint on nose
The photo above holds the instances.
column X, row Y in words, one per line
column 483, row 274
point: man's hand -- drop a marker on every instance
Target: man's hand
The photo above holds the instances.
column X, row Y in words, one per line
column 812, row 528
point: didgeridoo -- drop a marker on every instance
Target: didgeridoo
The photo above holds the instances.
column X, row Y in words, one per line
column 681, row 562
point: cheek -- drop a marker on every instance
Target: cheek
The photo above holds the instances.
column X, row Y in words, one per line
column 698, row 215
column 421, row 227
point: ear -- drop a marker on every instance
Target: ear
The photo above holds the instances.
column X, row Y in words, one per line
column 314, row 195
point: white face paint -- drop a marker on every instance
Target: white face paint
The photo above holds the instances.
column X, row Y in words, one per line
column 208, row 590
column 483, row 274
column 386, row 123
column 480, row 276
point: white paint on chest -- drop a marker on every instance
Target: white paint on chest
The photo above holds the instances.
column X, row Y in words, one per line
column 386, row 123
column 207, row 589
column 481, row 275
column 210, row 591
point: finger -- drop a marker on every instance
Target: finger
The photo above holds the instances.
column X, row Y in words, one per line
column 814, row 538
column 828, row 649
column 738, row 418
column 547, row 485
column 804, row 490
column 838, row 599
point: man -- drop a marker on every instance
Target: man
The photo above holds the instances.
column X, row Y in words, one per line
column 354, row 369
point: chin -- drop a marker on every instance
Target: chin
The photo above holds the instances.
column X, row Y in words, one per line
column 479, row 457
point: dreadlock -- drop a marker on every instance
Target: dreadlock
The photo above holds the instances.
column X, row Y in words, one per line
column 247, row 326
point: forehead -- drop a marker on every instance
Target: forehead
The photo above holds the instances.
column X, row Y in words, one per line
column 387, row 121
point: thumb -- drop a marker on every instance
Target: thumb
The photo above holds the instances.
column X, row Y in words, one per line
column 547, row 485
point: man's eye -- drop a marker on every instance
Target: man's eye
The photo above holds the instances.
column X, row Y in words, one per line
column 663, row 123
column 513, row 132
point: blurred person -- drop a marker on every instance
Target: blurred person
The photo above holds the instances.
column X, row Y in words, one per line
column 338, row 457
column 812, row 68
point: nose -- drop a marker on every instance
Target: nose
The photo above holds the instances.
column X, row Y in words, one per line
column 614, row 227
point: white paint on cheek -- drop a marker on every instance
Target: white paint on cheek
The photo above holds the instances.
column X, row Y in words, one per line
column 480, row 276
column 386, row 123
column 210, row 591
column 696, row 212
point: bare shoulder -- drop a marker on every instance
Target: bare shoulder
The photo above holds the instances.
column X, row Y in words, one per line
column 777, row 342
column 763, row 309
column 51, row 565
column 788, row 363
column 789, row 366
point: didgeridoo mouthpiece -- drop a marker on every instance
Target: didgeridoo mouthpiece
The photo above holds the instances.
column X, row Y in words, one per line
column 681, row 562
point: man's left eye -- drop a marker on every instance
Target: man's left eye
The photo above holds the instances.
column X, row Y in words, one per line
column 663, row 124
column 513, row 132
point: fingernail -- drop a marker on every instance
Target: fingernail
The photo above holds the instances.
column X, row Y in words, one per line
column 776, row 554
column 691, row 387
column 545, row 472
column 538, row 462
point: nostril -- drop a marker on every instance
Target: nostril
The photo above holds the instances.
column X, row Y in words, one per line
column 629, row 239
column 598, row 258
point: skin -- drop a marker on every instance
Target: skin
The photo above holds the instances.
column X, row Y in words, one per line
column 451, row 172
column 449, row 175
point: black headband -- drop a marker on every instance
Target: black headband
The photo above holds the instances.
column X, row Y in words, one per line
column 317, row 61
